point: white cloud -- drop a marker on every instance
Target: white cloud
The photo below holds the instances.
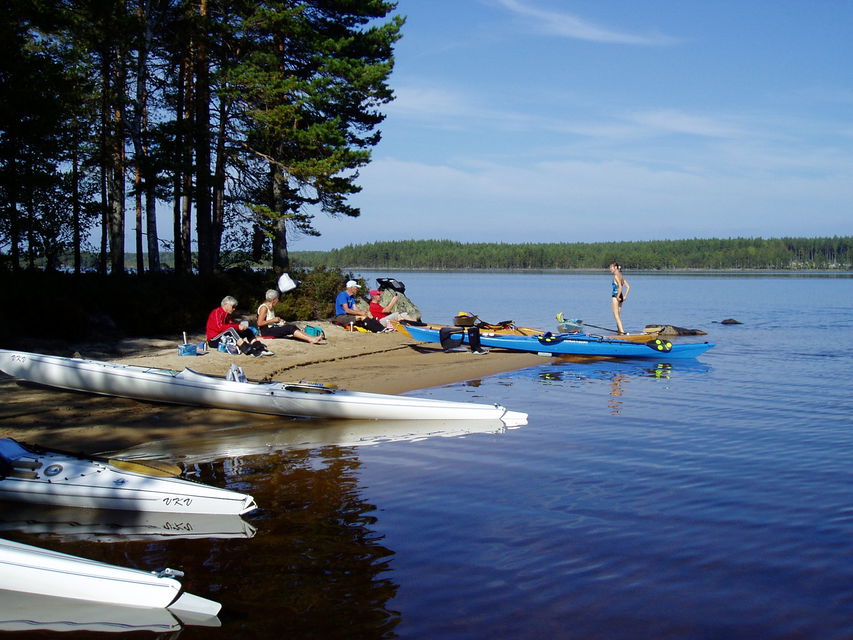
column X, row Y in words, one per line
column 677, row 121
column 584, row 201
column 447, row 109
column 566, row 25
column 428, row 103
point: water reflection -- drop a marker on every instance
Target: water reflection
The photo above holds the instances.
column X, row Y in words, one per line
column 617, row 374
column 562, row 371
column 95, row 525
column 615, row 393
column 315, row 565
column 261, row 438
column 31, row 612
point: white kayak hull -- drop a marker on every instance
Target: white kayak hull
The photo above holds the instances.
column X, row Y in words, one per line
column 49, row 573
column 278, row 398
column 41, row 476
column 33, row 612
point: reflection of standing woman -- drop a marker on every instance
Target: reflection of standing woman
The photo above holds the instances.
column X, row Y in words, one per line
column 620, row 292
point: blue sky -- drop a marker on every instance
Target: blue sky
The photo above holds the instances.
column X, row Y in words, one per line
column 581, row 121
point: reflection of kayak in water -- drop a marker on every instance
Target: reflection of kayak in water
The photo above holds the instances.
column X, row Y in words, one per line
column 578, row 344
column 32, row 612
column 234, row 391
column 567, row 368
column 50, row 573
column 303, row 434
column 97, row 525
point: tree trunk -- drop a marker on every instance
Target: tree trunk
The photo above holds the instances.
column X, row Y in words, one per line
column 104, row 166
column 102, row 259
column 113, row 87
column 186, row 162
column 75, row 201
column 117, row 190
column 202, row 147
column 31, row 217
column 280, row 258
column 151, row 230
column 137, row 201
column 139, row 126
column 182, row 254
column 219, row 187
column 14, row 221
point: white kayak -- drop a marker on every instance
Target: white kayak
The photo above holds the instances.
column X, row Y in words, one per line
column 42, row 476
column 34, row 570
column 280, row 398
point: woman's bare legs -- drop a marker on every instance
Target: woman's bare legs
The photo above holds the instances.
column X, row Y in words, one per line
column 616, row 303
column 301, row 335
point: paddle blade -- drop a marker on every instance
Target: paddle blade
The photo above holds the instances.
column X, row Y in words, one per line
column 659, row 344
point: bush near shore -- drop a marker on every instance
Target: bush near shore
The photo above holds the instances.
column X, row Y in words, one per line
column 89, row 305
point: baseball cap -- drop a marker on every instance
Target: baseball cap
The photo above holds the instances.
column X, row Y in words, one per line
column 375, row 292
column 352, row 283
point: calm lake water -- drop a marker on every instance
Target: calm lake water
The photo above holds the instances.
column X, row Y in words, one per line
column 702, row 499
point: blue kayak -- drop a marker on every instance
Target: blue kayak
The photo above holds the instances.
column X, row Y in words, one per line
column 576, row 344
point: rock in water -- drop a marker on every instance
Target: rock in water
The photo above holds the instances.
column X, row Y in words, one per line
column 672, row 330
column 730, row 321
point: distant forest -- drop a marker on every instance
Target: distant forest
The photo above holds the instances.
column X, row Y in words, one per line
column 732, row 253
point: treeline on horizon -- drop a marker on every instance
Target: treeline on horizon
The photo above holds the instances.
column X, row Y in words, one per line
column 712, row 253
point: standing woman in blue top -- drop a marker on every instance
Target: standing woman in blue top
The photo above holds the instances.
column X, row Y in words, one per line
column 618, row 294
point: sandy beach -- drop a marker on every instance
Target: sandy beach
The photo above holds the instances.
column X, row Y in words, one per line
column 379, row 363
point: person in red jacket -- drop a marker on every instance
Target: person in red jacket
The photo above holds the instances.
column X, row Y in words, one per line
column 219, row 322
column 386, row 314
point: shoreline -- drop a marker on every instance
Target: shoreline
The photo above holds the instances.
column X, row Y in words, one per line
column 389, row 363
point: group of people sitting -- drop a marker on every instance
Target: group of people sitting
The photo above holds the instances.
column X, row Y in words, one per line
column 376, row 318
column 222, row 328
